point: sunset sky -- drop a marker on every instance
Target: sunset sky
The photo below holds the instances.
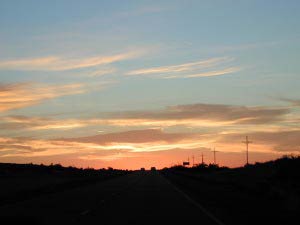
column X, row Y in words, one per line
column 132, row 84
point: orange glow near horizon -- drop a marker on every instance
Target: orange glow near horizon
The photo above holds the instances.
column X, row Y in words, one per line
column 126, row 155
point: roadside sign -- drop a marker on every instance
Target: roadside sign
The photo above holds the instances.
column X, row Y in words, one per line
column 186, row 163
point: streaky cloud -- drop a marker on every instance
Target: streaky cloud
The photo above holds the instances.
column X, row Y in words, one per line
column 20, row 95
column 280, row 141
column 192, row 66
column 135, row 136
column 215, row 73
column 109, row 143
column 102, row 72
column 197, row 114
column 57, row 63
column 193, row 115
column 293, row 102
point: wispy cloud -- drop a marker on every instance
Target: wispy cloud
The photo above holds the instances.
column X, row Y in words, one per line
column 56, row 63
column 293, row 102
column 281, row 141
column 26, row 147
column 131, row 141
column 215, row 72
column 210, row 67
column 136, row 136
column 101, row 72
column 157, row 140
column 194, row 115
column 203, row 114
column 19, row 95
column 181, row 67
column 40, row 123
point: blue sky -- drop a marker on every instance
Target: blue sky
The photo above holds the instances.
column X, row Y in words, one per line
column 82, row 60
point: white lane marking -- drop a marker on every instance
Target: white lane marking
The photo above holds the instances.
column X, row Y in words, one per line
column 199, row 206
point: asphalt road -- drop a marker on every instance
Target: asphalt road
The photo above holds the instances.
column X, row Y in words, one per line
column 138, row 198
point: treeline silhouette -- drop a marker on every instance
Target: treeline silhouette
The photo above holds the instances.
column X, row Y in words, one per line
column 287, row 166
column 199, row 168
column 11, row 169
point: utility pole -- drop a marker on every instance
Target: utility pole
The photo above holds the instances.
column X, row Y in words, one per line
column 193, row 160
column 215, row 156
column 247, row 142
column 202, row 158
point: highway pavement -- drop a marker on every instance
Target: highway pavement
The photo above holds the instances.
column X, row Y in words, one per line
column 138, row 198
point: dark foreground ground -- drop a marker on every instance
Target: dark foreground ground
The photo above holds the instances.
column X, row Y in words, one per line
column 262, row 194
